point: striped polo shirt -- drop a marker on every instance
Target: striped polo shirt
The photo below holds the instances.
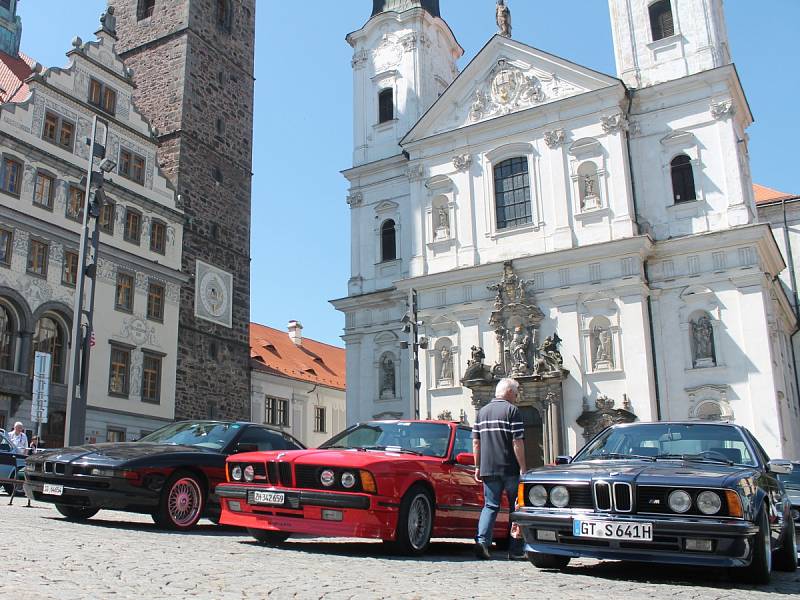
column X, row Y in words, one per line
column 498, row 424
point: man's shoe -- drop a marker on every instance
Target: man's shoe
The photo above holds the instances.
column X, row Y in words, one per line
column 482, row 551
column 517, row 556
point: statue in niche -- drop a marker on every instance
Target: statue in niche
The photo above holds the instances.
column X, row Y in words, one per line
column 550, row 359
column 588, row 186
column 703, row 342
column 603, row 355
column 503, row 17
column 589, row 198
column 446, row 370
column 108, row 22
column 520, row 341
column 442, row 223
column 387, row 377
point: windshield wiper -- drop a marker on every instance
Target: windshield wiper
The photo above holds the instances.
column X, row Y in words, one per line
column 618, row 455
column 335, row 447
column 392, row 449
column 697, row 458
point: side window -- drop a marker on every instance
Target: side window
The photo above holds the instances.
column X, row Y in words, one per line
column 463, row 441
column 262, row 439
column 762, row 455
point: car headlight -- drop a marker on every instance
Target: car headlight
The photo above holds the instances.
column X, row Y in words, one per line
column 538, row 495
column 236, row 473
column 679, row 501
column 348, row 479
column 103, row 472
column 249, row 473
column 559, row 496
column 327, row 477
column 709, row 503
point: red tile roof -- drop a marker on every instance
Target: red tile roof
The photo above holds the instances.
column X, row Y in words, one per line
column 765, row 194
column 272, row 351
column 14, row 70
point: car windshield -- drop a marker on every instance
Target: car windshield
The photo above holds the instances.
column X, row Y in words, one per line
column 792, row 479
column 666, row 441
column 204, row 434
column 423, row 439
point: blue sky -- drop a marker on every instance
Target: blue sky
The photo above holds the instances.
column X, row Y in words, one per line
column 303, row 133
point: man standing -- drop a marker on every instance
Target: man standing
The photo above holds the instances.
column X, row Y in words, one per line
column 18, row 438
column 499, row 447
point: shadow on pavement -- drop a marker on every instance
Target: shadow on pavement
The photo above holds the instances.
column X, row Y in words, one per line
column 202, row 529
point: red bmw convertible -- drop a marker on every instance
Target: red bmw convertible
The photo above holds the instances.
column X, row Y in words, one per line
column 403, row 482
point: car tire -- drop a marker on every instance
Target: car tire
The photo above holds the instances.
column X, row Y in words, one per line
column 182, row 502
column 76, row 513
column 760, row 567
column 415, row 522
column 785, row 559
column 268, row 538
column 548, row 561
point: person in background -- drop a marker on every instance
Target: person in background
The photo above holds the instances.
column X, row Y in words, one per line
column 18, row 438
column 34, row 444
column 499, row 447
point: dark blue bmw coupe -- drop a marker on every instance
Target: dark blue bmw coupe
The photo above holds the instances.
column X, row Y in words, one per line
column 692, row 493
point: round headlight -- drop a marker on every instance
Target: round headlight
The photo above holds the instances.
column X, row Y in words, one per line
column 709, row 503
column 249, row 473
column 538, row 495
column 679, row 501
column 327, row 477
column 559, row 496
column 348, row 479
column 236, row 473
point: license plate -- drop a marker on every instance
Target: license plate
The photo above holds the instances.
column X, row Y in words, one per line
column 52, row 490
column 611, row 530
column 266, row 498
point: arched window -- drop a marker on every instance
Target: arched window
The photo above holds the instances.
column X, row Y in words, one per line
column 512, row 192
column 682, row 179
column 661, row 22
column 385, row 105
column 388, row 241
column 49, row 338
column 7, row 335
column 224, row 14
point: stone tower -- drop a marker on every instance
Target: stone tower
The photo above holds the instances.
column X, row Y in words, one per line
column 662, row 40
column 192, row 62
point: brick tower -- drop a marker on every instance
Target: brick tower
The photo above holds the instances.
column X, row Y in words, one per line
column 192, row 64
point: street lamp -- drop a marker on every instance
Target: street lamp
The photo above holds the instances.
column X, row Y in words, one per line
column 80, row 346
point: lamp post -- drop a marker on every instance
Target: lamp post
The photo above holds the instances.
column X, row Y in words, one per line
column 411, row 326
column 80, row 347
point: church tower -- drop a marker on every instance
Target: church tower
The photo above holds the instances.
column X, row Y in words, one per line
column 662, row 40
column 404, row 58
column 10, row 27
column 192, row 63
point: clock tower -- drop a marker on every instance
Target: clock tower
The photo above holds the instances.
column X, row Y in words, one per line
column 192, row 63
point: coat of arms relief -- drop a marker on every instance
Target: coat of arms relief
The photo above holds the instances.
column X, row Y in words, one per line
column 510, row 87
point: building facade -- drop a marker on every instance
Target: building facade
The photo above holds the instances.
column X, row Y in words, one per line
column 45, row 119
column 298, row 384
column 192, row 63
column 594, row 236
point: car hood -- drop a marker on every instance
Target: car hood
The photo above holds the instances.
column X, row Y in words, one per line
column 117, row 453
column 663, row 472
column 334, row 457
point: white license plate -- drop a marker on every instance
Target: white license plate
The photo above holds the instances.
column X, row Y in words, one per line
column 613, row 530
column 52, row 490
column 267, row 498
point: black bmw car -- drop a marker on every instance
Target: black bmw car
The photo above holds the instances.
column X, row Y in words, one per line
column 170, row 474
column 674, row 493
column 791, row 481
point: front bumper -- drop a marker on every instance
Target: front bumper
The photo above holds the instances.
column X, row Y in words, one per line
column 109, row 493
column 731, row 539
column 309, row 512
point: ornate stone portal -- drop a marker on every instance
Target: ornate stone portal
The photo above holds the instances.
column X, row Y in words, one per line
column 535, row 363
column 605, row 415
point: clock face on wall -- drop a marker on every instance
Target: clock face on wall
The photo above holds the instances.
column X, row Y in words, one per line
column 213, row 293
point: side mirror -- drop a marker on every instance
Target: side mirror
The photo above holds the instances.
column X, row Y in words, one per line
column 465, row 458
column 563, row 460
column 240, row 448
column 779, row 467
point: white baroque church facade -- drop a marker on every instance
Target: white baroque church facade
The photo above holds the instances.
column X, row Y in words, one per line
column 618, row 212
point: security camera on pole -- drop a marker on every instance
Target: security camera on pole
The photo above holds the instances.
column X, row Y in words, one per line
column 80, row 346
column 411, row 325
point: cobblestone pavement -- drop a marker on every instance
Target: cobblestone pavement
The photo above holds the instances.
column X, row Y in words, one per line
column 122, row 555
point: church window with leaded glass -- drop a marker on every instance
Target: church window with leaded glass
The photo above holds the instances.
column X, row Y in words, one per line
column 512, row 193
